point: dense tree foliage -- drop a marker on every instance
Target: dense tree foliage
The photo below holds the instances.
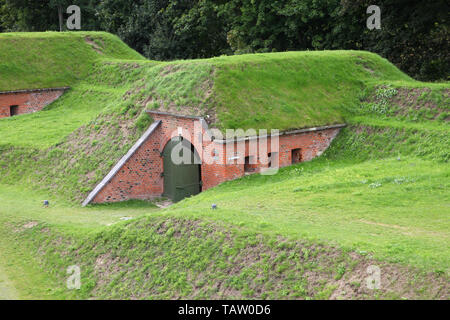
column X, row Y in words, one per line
column 163, row 29
column 414, row 34
column 43, row 15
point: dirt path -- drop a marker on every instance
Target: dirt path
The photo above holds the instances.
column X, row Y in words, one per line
column 7, row 290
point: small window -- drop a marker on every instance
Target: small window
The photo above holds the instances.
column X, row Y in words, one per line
column 13, row 110
column 296, row 155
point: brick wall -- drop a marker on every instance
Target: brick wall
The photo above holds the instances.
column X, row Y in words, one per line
column 141, row 176
column 27, row 101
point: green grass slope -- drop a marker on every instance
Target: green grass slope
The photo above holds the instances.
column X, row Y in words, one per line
column 263, row 91
column 294, row 89
column 378, row 196
column 259, row 250
column 74, row 142
column 268, row 91
column 54, row 59
column 383, row 183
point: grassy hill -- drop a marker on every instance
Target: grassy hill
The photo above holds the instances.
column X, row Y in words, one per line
column 55, row 59
column 309, row 232
column 73, row 143
column 378, row 196
column 264, row 91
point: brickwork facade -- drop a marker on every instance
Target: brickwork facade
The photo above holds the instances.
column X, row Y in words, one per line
column 141, row 176
column 14, row 103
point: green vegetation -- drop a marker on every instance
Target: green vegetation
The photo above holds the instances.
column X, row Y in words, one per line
column 396, row 208
column 75, row 141
column 80, row 106
column 294, row 89
column 308, row 92
column 379, row 195
column 278, row 243
column 20, row 206
column 53, row 59
column 168, row 29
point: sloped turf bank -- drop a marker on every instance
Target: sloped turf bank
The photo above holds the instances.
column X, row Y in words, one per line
column 395, row 120
column 68, row 147
column 73, row 143
column 30, row 60
column 169, row 257
column 363, row 141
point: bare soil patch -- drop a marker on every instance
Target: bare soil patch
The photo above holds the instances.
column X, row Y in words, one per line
column 94, row 45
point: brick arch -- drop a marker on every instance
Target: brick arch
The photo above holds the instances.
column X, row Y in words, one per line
column 166, row 140
column 183, row 179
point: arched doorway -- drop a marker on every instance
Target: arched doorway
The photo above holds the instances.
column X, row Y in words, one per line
column 182, row 175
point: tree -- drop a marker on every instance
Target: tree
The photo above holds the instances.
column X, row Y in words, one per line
column 163, row 29
column 413, row 35
column 44, row 15
column 25, row 15
column 60, row 5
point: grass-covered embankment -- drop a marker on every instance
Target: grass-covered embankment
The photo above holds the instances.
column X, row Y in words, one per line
column 378, row 196
column 75, row 141
column 275, row 242
column 55, row 59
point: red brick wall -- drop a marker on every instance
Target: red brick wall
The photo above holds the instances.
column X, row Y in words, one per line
column 27, row 102
column 312, row 144
column 141, row 176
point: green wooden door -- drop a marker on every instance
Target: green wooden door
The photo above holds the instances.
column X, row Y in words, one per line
column 181, row 180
